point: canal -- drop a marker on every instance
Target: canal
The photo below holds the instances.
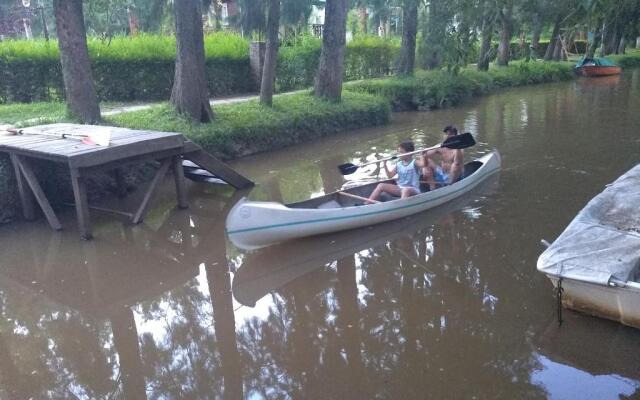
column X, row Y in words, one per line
column 446, row 305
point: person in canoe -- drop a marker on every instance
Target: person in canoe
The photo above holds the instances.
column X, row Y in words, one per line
column 451, row 164
column 408, row 171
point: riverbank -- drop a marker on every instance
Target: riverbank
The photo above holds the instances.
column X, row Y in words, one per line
column 249, row 128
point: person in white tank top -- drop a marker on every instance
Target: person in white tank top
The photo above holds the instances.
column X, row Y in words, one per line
column 408, row 171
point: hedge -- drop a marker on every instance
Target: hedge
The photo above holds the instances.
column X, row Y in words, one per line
column 438, row 89
column 141, row 68
column 629, row 60
column 124, row 68
column 365, row 57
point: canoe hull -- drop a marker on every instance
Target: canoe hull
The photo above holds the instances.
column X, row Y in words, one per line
column 595, row 70
column 258, row 224
column 612, row 302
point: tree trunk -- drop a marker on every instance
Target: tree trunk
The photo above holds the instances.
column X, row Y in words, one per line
column 331, row 67
column 363, row 19
column 384, row 29
column 190, row 94
column 557, row 50
column 622, row 46
column 638, row 42
column 434, row 35
column 504, row 47
column 548, row 55
column 82, row 99
column 485, row 44
column 604, row 37
column 535, row 37
column 407, row 60
column 591, row 51
column 271, row 53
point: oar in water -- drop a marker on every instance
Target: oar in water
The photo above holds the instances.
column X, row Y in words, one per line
column 100, row 137
column 457, row 142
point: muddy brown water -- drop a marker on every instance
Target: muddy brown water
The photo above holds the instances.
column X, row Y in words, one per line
column 444, row 305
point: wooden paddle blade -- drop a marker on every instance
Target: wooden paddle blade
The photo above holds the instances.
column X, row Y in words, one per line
column 459, row 141
column 347, row 169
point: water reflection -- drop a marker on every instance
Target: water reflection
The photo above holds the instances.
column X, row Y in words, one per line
column 446, row 304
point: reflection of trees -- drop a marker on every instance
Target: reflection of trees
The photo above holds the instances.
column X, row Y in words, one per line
column 429, row 318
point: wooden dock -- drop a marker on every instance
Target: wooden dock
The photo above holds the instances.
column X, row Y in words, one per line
column 62, row 143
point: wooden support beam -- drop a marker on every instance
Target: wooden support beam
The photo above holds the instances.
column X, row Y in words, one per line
column 32, row 181
column 121, row 185
column 26, row 196
column 205, row 160
column 155, row 182
column 178, row 174
column 82, row 204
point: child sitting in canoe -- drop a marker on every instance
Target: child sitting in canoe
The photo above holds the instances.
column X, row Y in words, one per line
column 408, row 171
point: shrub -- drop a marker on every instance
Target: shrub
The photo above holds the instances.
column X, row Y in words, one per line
column 365, row 57
column 438, row 89
column 629, row 60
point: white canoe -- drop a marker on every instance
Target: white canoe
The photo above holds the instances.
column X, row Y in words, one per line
column 254, row 224
column 598, row 254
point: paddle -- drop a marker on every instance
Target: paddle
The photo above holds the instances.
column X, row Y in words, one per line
column 457, row 142
column 100, row 137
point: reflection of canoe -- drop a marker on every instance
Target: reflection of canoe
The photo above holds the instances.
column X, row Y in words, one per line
column 268, row 269
column 252, row 224
column 598, row 254
column 597, row 67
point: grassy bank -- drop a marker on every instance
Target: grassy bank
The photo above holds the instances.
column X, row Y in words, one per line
column 247, row 128
column 629, row 60
column 428, row 90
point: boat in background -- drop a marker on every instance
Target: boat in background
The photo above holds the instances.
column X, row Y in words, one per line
column 255, row 224
column 596, row 260
column 592, row 67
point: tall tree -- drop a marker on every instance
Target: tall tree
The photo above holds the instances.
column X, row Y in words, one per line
column 190, row 94
column 363, row 18
column 331, row 69
column 406, row 62
column 486, row 34
column 82, row 99
column 271, row 53
column 437, row 19
column 505, row 16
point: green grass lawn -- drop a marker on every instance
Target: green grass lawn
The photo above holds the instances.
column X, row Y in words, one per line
column 39, row 113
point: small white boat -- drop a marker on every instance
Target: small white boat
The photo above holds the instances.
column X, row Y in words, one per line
column 254, row 224
column 597, row 257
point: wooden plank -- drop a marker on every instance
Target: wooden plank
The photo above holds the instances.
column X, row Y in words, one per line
column 26, row 196
column 82, row 205
column 155, row 182
column 119, row 152
column 105, row 210
column 178, row 174
column 32, row 181
column 218, row 168
column 125, row 162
